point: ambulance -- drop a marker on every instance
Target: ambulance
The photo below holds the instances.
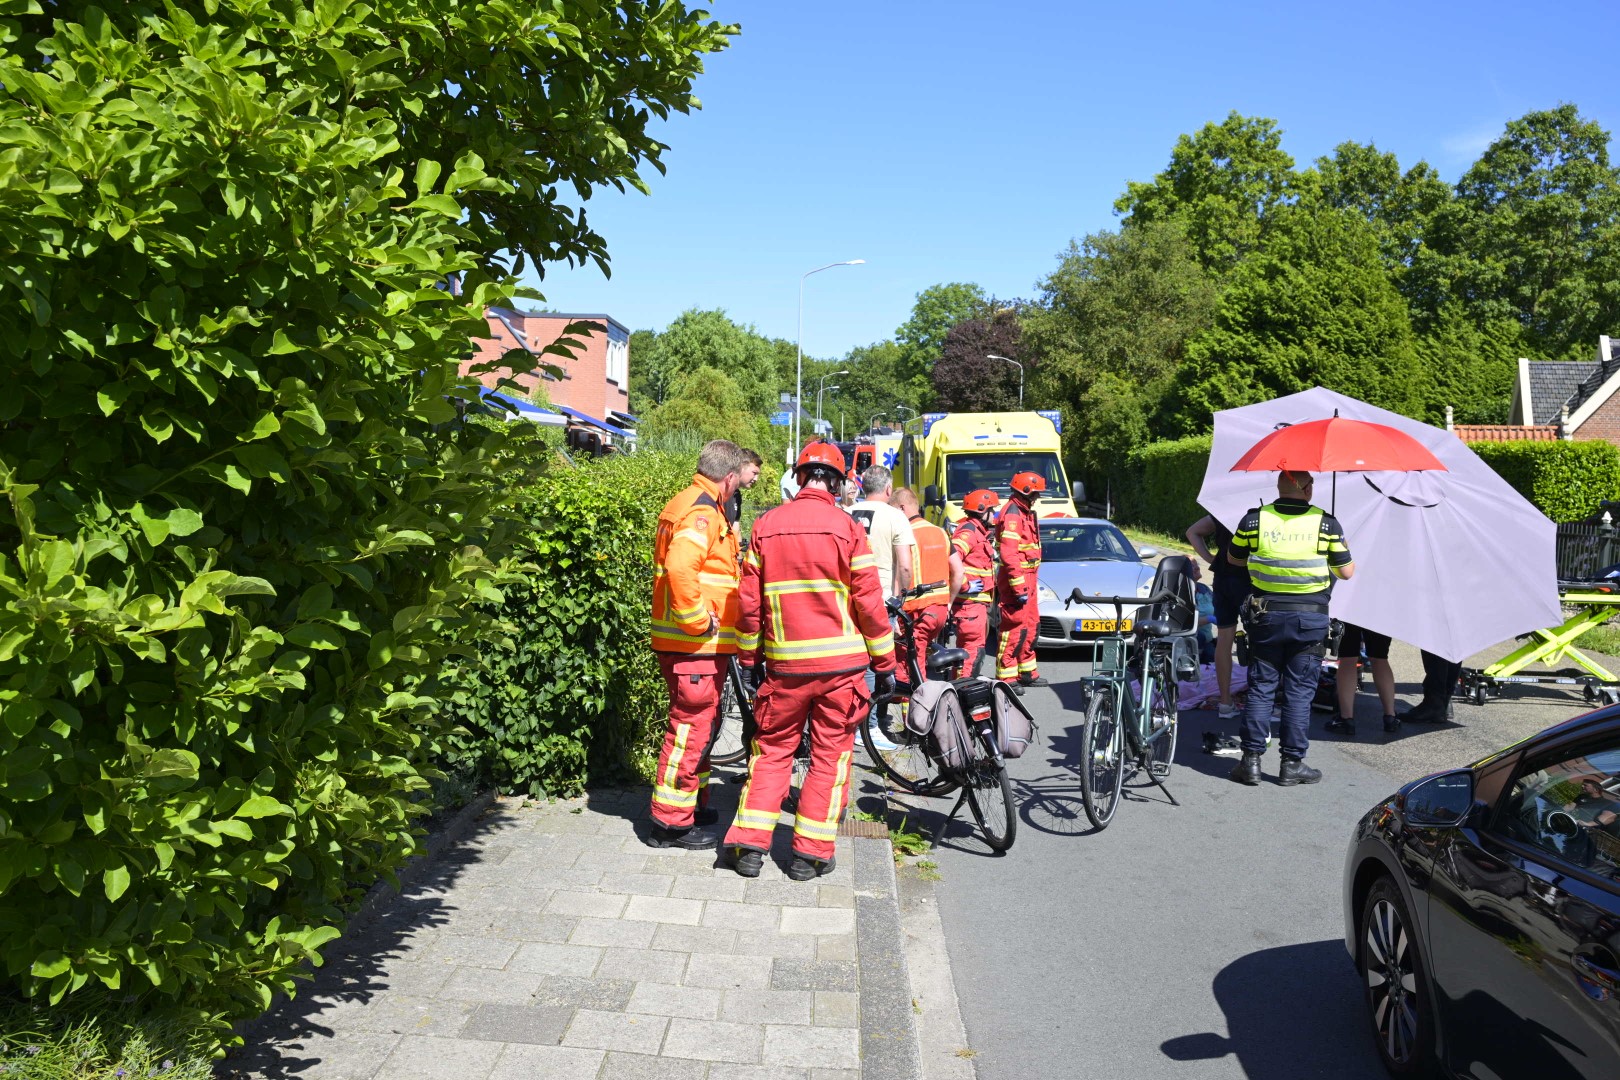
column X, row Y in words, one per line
column 956, row 453
column 875, row 450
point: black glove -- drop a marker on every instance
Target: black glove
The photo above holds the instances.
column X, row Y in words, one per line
column 1015, row 601
column 753, row 675
column 883, row 684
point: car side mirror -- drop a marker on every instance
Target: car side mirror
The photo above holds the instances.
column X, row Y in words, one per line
column 932, row 497
column 1148, row 553
column 1077, row 492
column 1562, row 824
column 1440, row 802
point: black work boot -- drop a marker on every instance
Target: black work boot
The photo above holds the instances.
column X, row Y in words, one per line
column 1295, row 771
column 1344, row 726
column 1032, row 680
column 747, row 862
column 803, row 869
column 1248, row 770
column 1423, row 712
column 695, row 839
column 705, row 816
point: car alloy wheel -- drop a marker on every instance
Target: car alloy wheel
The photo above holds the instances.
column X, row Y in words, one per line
column 1392, row 978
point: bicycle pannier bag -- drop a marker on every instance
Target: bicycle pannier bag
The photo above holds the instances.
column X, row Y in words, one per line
column 936, row 714
column 1015, row 728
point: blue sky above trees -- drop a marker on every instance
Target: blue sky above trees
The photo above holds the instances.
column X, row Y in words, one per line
column 959, row 142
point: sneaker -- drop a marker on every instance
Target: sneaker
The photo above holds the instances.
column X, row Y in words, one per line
column 1228, row 712
column 803, row 869
column 1342, row 726
column 880, row 741
column 1222, row 745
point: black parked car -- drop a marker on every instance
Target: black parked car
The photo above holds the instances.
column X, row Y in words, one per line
column 1482, row 909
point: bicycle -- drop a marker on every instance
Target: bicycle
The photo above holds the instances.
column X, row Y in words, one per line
column 961, row 751
column 1125, row 732
column 735, row 726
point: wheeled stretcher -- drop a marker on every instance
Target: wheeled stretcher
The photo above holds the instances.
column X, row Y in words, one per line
column 1595, row 603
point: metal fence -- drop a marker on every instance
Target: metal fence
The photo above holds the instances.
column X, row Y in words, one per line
column 1586, row 551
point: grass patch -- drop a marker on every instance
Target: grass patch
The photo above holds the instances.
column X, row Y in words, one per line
column 906, row 842
column 1170, row 545
column 1603, row 639
column 97, row 1036
column 928, row 870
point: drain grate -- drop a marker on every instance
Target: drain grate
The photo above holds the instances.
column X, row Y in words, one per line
column 853, row 826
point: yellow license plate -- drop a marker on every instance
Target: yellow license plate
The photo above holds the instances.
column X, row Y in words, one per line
column 1102, row 626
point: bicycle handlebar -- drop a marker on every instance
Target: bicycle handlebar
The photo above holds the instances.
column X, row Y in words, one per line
column 1079, row 597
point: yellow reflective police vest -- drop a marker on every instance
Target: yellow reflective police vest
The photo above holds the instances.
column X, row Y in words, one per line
column 1289, row 557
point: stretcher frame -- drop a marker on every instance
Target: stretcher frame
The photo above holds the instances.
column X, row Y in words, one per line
column 1595, row 605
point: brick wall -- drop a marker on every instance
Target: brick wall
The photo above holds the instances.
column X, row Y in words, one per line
column 1604, row 423
column 594, row 381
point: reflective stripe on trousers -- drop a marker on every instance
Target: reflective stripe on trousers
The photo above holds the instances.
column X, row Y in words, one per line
column 681, row 782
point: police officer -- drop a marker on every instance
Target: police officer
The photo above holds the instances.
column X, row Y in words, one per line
column 1293, row 551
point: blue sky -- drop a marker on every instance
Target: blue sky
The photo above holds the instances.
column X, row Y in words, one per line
column 951, row 141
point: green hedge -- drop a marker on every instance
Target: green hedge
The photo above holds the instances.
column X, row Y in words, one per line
column 1565, row 480
column 572, row 691
column 1159, row 485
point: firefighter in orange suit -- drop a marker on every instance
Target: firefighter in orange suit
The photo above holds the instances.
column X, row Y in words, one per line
column 813, row 607
column 694, row 633
column 1018, row 542
column 973, row 575
column 931, row 565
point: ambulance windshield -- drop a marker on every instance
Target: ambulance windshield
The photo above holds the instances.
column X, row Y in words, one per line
column 995, row 470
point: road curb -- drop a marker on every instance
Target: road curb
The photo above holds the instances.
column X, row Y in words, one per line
column 890, row 1049
column 939, row 1011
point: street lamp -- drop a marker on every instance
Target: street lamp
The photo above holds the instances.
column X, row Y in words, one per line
column 1016, row 364
column 908, row 409
column 822, row 386
column 872, row 426
column 819, row 392
column 798, row 381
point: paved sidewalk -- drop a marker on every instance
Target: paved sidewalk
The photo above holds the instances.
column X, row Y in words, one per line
column 551, row 944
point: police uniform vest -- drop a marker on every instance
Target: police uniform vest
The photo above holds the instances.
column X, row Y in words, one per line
column 1290, row 557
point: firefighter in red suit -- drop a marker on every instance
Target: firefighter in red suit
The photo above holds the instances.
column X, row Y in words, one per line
column 1018, row 542
column 812, row 609
column 973, row 567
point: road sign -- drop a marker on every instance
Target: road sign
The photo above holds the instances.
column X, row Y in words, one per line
column 781, row 419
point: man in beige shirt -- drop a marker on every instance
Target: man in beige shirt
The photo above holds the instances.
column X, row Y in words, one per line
column 887, row 529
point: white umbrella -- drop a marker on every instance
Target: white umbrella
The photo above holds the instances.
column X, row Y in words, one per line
column 1450, row 561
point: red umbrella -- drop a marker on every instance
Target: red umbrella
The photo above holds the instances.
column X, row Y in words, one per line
column 1337, row 445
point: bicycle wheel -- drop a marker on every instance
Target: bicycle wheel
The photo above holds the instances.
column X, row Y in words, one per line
column 1161, row 749
column 990, row 797
column 730, row 746
column 908, row 766
column 1102, row 758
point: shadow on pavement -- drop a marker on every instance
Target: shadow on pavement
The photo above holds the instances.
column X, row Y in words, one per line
column 1291, row 1012
column 369, row 959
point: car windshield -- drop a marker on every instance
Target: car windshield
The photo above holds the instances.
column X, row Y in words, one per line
column 994, row 471
column 1079, row 542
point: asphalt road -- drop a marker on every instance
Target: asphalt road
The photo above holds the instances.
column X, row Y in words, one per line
column 1202, row 940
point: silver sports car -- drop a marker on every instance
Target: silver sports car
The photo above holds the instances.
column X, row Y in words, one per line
column 1091, row 555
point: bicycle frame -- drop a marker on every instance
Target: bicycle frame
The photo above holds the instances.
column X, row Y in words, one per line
column 1111, row 668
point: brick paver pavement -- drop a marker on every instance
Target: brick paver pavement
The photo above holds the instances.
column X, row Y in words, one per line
column 551, row 943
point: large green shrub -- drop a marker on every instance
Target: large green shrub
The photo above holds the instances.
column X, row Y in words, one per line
column 1160, row 486
column 236, row 532
column 573, row 690
column 1565, row 480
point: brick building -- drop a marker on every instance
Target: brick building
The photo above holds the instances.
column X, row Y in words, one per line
column 595, row 384
column 1572, row 399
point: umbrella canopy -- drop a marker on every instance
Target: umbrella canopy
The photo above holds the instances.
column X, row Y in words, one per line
column 1337, row 444
column 1452, row 561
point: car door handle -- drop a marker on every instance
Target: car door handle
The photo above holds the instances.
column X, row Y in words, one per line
column 1596, row 963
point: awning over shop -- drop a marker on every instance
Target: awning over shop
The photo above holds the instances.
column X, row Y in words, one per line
column 611, row 429
column 526, row 410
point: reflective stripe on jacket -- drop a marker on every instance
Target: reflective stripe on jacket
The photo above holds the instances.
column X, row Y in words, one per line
column 1018, row 542
column 932, row 563
column 810, row 598
column 972, row 541
column 1290, row 553
column 695, row 574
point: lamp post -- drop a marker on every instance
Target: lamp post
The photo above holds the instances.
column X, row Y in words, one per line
column 798, row 381
column 834, row 386
column 822, row 385
column 908, row 409
column 1016, row 364
column 872, row 425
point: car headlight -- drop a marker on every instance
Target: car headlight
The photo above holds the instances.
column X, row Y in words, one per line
column 1048, row 593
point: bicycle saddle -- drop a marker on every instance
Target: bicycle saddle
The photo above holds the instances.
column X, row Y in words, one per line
column 946, row 660
column 1154, row 628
